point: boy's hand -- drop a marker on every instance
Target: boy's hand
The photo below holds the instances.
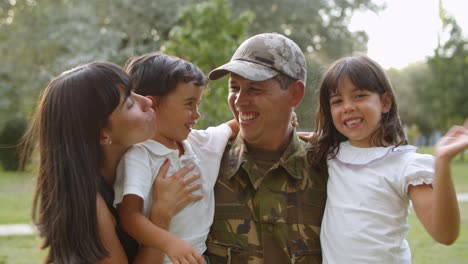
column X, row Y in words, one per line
column 181, row 252
column 452, row 143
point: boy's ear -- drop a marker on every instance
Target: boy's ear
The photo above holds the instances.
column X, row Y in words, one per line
column 297, row 92
column 154, row 101
column 386, row 103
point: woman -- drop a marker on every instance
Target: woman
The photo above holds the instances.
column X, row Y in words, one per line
column 85, row 120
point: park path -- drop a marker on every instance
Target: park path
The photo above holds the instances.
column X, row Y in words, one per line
column 28, row 229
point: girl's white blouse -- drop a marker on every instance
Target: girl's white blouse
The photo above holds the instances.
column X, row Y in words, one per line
column 366, row 214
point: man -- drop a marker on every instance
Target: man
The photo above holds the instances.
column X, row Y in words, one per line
column 269, row 200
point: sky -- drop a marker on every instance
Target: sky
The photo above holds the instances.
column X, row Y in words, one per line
column 407, row 30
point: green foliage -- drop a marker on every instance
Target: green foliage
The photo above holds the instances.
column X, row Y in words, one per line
column 318, row 26
column 449, row 68
column 409, row 84
column 201, row 29
column 9, row 137
column 41, row 39
column 433, row 95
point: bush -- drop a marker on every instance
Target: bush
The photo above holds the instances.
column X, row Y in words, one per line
column 9, row 138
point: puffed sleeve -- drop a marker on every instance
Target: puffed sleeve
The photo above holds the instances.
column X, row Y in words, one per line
column 419, row 170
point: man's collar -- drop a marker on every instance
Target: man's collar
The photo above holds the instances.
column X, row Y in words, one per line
column 293, row 160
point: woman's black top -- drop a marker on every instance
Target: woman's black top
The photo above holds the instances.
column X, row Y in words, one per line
column 129, row 244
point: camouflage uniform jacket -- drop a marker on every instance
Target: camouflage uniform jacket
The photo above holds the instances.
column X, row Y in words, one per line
column 270, row 218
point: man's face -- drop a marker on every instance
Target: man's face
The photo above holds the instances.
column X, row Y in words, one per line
column 263, row 110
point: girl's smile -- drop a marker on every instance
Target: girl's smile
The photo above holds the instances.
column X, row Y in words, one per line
column 357, row 112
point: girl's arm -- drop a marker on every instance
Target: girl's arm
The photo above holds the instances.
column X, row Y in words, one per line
column 437, row 207
column 151, row 233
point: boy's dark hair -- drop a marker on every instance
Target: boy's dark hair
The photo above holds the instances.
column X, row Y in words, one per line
column 366, row 74
column 157, row 74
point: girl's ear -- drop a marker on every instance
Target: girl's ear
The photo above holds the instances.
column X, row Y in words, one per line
column 297, row 92
column 386, row 103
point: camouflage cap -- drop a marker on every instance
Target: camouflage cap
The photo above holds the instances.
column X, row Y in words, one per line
column 264, row 56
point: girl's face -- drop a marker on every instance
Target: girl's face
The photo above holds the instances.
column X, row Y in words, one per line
column 177, row 113
column 133, row 121
column 357, row 112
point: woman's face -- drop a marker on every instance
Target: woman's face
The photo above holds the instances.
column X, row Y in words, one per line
column 133, row 121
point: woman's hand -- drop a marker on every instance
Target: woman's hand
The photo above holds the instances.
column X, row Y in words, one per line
column 172, row 194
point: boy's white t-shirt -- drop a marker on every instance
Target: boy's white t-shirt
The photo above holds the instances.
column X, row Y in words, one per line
column 139, row 166
column 366, row 213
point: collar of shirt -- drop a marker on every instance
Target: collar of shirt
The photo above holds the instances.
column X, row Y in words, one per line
column 351, row 156
column 160, row 150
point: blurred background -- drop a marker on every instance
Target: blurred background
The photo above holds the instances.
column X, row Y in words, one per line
column 422, row 44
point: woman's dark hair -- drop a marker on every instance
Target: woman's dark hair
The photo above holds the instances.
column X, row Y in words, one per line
column 157, row 74
column 72, row 111
column 365, row 74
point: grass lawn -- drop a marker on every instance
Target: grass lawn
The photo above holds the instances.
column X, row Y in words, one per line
column 16, row 191
column 425, row 251
column 21, row 250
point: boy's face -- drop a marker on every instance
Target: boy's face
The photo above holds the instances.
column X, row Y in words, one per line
column 177, row 113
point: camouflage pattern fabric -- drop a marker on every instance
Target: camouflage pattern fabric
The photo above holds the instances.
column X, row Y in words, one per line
column 264, row 56
column 275, row 219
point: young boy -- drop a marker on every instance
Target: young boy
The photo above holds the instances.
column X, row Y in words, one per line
column 175, row 87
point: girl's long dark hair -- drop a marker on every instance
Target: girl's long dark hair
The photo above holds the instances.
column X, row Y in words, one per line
column 71, row 113
column 365, row 74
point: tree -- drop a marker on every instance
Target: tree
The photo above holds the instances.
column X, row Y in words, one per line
column 446, row 97
column 409, row 84
column 207, row 35
column 9, row 142
column 40, row 39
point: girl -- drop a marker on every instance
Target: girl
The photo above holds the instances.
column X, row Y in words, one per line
column 373, row 173
column 85, row 120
